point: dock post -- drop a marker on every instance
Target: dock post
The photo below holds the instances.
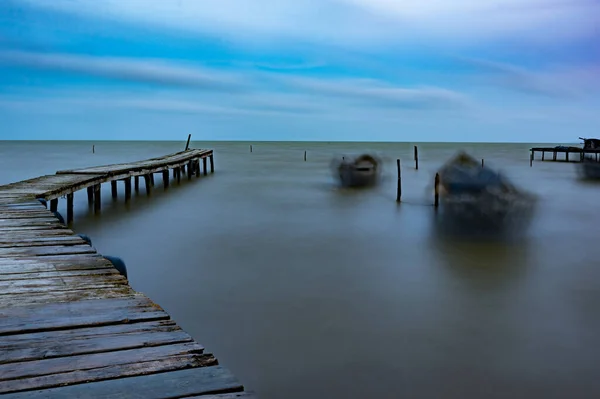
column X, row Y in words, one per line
column 54, row 204
column 531, row 159
column 567, row 156
column 70, row 208
column 127, row 182
column 399, row 189
column 416, row 158
column 482, row 163
column 136, row 181
column 190, row 170
column 203, row 165
column 166, row 178
column 148, row 183
column 174, row 173
column 554, row 155
column 304, row 155
column 212, row 164
column 543, row 154
column 97, row 197
column 183, row 168
column 178, row 174
column 152, row 179
column 113, row 189
column 436, row 198
column 250, row 147
column 90, row 195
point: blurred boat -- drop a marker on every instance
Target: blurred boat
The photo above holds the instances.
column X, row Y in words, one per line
column 362, row 171
column 477, row 197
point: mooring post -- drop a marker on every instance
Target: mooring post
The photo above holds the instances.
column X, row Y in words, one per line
column 304, row 155
column 482, row 162
column 97, row 197
column 54, row 204
column 212, row 164
column 70, row 208
column 136, row 180
column 187, row 145
column 436, row 198
column 93, row 149
column 399, row 190
column 531, row 159
column 250, row 147
column 416, row 158
column 203, row 165
column 90, row 195
column 166, row 178
column 127, row 182
column 148, row 183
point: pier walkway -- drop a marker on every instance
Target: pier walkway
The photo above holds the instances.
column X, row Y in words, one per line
column 70, row 324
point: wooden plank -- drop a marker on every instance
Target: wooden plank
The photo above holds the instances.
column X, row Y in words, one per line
column 60, row 283
column 52, row 263
column 19, row 320
column 81, row 341
column 47, row 221
column 92, row 367
column 20, row 241
column 175, row 384
column 59, row 274
column 55, row 226
column 44, row 251
column 41, row 298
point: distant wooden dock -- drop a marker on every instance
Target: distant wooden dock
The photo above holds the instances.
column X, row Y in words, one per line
column 580, row 153
column 70, row 324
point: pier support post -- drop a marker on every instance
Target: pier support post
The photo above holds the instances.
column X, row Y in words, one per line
column 148, row 184
column 183, row 168
column 212, row 164
column 166, row 178
column 113, row 189
column 204, row 166
column 567, row 156
column 416, row 158
column 54, row 205
column 97, row 197
column 127, row 182
column 152, row 179
column 305, row 156
column 178, row 174
column 554, row 156
column 174, row 173
column 190, row 170
column 531, row 159
column 136, row 180
column 90, row 195
column 482, row 162
column 543, row 154
column 436, row 198
column 70, row 208
column 399, row 190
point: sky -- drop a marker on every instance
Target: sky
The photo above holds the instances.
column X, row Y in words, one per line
column 324, row 70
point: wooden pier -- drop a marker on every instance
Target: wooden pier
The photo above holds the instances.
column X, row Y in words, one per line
column 580, row 153
column 70, row 324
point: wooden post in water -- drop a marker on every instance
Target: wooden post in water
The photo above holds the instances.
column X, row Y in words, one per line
column 416, row 158
column 152, row 179
column 436, row 198
column 304, row 155
column 178, row 173
column 554, row 155
column 69, row 208
column 97, row 197
column 187, row 145
column 567, row 156
column 166, row 178
column 148, row 184
column 54, row 204
column 531, row 159
column 113, row 188
column 190, row 170
column 212, row 164
column 482, row 162
column 399, row 189
column 250, row 147
column 543, row 155
column 203, row 165
column 93, row 149
column 127, row 182
column 174, row 173
column 90, row 195
column 136, row 180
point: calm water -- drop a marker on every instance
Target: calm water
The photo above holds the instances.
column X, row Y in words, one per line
column 304, row 290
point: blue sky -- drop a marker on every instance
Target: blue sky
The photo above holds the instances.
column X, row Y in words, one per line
column 366, row 70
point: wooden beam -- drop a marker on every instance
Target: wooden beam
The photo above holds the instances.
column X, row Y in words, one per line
column 54, row 204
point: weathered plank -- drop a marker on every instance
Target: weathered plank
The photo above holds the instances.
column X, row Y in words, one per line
column 44, row 251
column 53, row 316
column 50, row 220
column 71, row 295
column 53, row 263
column 60, row 283
column 175, row 384
column 59, row 274
column 88, row 340
column 24, row 241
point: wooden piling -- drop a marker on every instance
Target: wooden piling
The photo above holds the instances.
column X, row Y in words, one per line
column 399, row 189
column 436, row 198
column 567, row 156
column 152, row 179
column 136, row 180
column 304, row 156
column 250, row 147
column 212, row 164
column 166, row 178
column 482, row 163
column 531, row 159
column 93, row 149
column 190, row 170
column 174, row 173
column 113, row 189
column 148, row 184
column 90, row 195
column 204, row 166
column 416, row 158
column 543, row 155
column 554, row 155
column 70, row 208
column 127, row 182
column 187, row 145
column 54, row 204
column 97, row 197
column 178, row 173
column 183, row 169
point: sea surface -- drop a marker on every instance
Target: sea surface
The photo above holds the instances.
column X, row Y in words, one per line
column 305, row 290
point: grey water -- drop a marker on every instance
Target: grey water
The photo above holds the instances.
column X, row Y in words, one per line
column 303, row 289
